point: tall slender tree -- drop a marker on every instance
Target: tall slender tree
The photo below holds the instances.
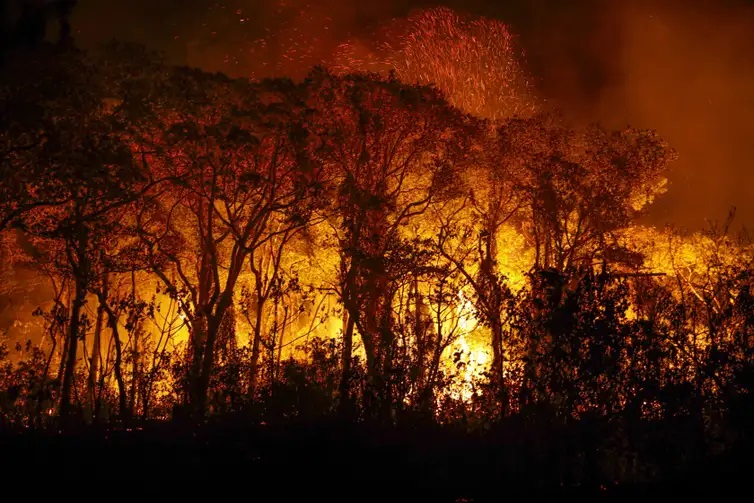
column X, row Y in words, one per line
column 393, row 149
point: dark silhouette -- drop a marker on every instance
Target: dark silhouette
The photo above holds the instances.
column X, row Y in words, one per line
column 203, row 238
column 25, row 23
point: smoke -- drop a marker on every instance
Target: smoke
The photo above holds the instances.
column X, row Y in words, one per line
column 689, row 73
column 684, row 68
column 236, row 37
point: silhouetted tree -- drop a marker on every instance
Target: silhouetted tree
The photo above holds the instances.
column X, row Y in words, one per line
column 393, row 149
column 581, row 187
column 238, row 153
column 81, row 180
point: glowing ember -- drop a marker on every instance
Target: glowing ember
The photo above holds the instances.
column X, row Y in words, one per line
column 474, row 61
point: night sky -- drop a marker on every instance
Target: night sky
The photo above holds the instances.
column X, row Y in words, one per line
column 685, row 68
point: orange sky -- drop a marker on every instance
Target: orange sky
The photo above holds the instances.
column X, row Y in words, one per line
column 683, row 67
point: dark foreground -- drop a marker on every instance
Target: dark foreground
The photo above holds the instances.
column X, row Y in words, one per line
column 323, row 462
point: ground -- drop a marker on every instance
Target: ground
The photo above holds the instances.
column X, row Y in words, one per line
column 314, row 462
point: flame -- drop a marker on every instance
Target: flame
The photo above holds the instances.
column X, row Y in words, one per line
column 467, row 355
column 474, row 61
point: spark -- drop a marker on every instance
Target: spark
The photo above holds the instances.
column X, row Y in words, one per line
column 474, row 61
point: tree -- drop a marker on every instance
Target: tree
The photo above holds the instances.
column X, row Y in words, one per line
column 392, row 149
column 580, row 188
column 82, row 182
column 238, row 153
column 470, row 235
column 36, row 87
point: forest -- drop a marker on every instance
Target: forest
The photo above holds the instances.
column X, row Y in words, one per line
column 351, row 253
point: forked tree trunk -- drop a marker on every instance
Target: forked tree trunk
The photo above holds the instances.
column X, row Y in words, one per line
column 74, row 328
column 72, row 350
column 92, row 379
column 112, row 321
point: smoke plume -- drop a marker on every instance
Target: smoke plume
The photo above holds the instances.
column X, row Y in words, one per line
column 684, row 68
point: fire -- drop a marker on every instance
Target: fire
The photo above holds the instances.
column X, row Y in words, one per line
column 467, row 356
column 466, row 315
column 291, row 209
column 472, row 361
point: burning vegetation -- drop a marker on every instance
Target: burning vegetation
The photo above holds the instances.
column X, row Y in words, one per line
column 408, row 236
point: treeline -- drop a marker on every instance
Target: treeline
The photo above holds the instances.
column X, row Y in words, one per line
column 191, row 227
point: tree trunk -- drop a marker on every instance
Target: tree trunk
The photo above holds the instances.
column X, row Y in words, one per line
column 92, row 379
column 91, row 382
column 378, row 399
column 213, row 326
column 497, row 349
column 378, row 341
column 112, row 321
column 256, row 345
column 494, row 302
column 344, row 388
column 279, row 355
column 134, row 373
column 73, row 340
column 66, row 339
column 135, row 377
column 196, row 356
column 386, row 391
column 420, row 335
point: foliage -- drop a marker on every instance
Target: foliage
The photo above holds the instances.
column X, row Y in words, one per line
column 342, row 246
